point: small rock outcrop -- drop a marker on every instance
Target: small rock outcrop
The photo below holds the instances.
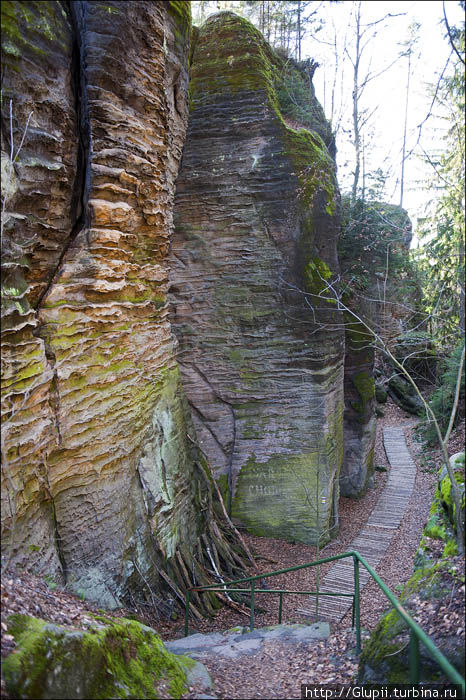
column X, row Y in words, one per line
column 242, row 640
column 123, row 659
column 260, row 348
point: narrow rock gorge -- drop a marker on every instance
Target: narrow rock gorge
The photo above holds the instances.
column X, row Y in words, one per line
column 103, row 483
column 256, row 225
column 111, row 425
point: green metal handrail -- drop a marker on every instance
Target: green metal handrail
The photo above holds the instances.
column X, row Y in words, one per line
column 417, row 634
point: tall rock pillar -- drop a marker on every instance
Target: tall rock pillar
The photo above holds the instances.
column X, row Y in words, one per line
column 101, row 482
column 254, row 249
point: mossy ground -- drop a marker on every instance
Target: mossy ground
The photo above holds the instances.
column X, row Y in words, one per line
column 121, row 659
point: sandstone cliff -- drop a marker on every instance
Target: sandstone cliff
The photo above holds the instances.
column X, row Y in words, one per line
column 101, row 482
column 256, row 222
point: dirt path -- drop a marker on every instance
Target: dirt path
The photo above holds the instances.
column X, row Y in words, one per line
column 395, row 567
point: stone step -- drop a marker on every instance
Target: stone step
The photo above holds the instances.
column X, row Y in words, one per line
column 240, row 640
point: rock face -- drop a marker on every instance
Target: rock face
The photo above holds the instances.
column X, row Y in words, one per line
column 256, row 221
column 100, row 480
column 359, row 415
column 375, row 234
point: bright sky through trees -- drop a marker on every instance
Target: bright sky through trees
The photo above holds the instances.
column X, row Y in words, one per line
column 384, row 131
column 383, row 100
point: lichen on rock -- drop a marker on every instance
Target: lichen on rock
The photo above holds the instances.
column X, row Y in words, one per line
column 102, row 480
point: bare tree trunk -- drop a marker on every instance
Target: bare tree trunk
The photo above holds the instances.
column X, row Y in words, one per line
column 357, row 135
column 363, row 191
column 299, row 31
column 403, row 157
column 461, row 281
column 268, row 21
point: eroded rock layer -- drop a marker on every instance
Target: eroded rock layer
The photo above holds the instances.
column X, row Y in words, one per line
column 100, row 479
column 261, row 350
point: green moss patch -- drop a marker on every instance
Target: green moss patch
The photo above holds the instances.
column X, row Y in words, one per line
column 316, row 272
column 231, row 56
column 278, row 498
column 365, row 386
column 121, row 659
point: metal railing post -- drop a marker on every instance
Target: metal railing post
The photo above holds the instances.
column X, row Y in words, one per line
column 186, row 612
column 357, row 615
column 251, row 621
column 414, row 658
column 280, row 609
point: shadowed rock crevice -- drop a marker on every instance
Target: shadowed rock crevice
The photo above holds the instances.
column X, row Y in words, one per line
column 76, row 12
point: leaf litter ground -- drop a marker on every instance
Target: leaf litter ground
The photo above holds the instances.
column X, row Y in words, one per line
column 274, row 672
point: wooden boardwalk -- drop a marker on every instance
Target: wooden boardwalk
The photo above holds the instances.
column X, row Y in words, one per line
column 374, row 539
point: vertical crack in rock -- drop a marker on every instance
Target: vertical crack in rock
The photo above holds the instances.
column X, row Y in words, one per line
column 43, row 479
column 54, row 390
column 203, row 418
column 58, row 540
column 77, row 13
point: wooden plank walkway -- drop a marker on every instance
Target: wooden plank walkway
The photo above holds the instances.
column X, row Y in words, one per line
column 374, row 539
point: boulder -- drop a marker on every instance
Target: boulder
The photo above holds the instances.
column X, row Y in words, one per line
column 403, row 394
column 123, row 659
column 385, row 656
column 444, row 487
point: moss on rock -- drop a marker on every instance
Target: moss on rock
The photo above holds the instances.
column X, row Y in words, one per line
column 385, row 657
column 279, row 496
column 123, row 659
column 365, row 386
column 444, row 494
column 234, row 56
column 316, row 272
